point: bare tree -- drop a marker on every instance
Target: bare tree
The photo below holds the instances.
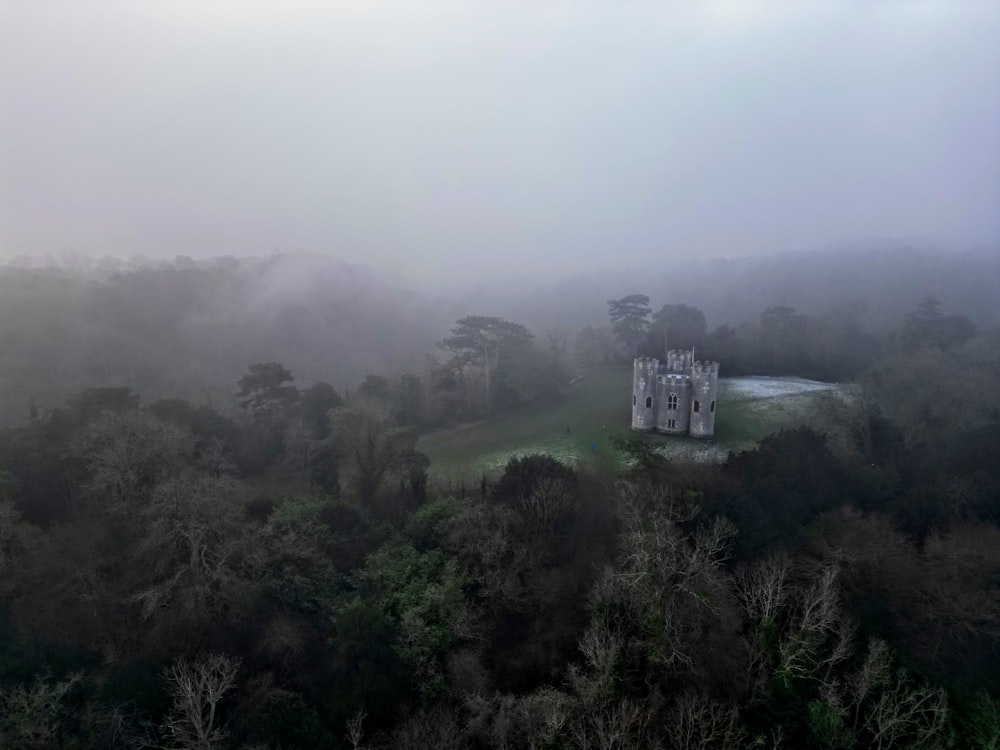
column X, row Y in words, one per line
column 670, row 582
column 908, row 716
column 197, row 550
column 30, row 715
column 356, row 729
column 696, row 722
column 982, row 728
column 198, row 687
column 617, row 725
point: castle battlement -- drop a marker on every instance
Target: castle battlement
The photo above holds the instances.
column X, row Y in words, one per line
column 676, row 396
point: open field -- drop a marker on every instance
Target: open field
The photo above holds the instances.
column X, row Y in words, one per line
column 578, row 428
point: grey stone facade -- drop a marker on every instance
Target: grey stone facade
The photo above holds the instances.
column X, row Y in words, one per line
column 676, row 397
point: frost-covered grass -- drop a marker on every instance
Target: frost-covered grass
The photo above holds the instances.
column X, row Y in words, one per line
column 598, row 407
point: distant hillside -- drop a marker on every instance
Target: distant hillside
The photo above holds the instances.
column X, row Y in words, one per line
column 189, row 330
column 887, row 281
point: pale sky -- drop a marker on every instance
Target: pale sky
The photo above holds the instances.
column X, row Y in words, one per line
column 452, row 139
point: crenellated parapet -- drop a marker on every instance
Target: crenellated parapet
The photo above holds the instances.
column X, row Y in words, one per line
column 679, row 360
column 705, row 368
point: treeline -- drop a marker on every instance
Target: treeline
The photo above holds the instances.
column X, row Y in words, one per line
column 836, row 346
column 175, row 578
column 187, row 329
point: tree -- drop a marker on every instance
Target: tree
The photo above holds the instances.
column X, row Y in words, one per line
column 594, row 347
column 676, row 327
column 484, row 342
column 374, row 387
column 926, row 326
column 408, row 401
column 31, row 716
column 90, row 403
column 421, row 593
column 198, row 553
column 315, row 404
column 197, row 688
column 372, row 447
column 124, row 455
column 628, row 320
column 263, row 390
column 668, row 600
column 785, row 336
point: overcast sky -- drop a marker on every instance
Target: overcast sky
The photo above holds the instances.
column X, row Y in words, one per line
column 450, row 139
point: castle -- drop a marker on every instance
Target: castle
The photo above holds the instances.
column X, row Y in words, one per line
column 676, row 397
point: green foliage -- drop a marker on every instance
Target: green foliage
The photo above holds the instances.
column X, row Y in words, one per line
column 645, row 462
column 302, row 572
column 423, row 595
column 428, row 525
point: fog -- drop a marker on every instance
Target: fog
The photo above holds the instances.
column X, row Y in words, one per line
column 441, row 143
column 499, row 374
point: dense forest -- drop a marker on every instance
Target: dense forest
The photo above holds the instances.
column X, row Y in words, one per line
column 200, row 554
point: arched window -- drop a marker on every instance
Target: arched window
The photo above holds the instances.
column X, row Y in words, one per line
column 697, row 407
column 671, row 423
column 712, row 407
column 633, row 400
column 672, row 401
column 649, row 402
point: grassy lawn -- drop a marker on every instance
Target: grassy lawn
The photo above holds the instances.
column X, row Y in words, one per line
column 578, row 428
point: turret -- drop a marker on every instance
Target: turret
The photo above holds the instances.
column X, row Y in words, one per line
column 644, row 370
column 673, row 399
column 704, row 393
column 679, row 360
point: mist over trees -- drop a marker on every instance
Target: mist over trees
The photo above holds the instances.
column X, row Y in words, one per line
column 172, row 577
column 317, row 324
column 266, row 562
column 187, row 329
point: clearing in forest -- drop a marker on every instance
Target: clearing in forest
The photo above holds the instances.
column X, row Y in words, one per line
column 598, row 407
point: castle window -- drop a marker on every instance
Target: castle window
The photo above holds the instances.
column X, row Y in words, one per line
column 633, row 400
column 672, row 401
column 697, row 407
column 671, row 423
column 649, row 402
column 712, row 407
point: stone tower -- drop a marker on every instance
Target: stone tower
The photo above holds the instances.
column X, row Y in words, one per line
column 644, row 371
column 673, row 403
column 704, row 392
